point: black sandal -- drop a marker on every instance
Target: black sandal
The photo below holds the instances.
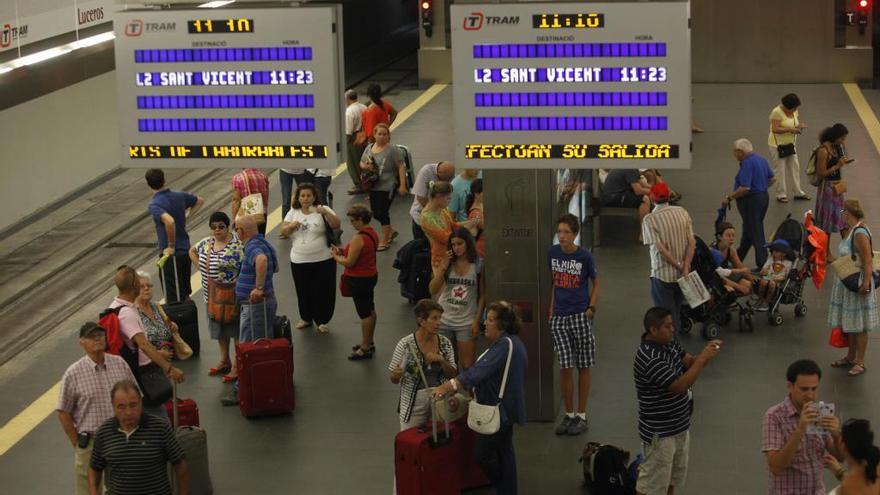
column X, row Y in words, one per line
column 360, row 354
column 358, row 346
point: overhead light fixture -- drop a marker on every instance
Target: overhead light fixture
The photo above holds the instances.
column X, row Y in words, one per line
column 51, row 53
column 215, row 3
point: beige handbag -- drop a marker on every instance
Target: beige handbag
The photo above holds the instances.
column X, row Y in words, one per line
column 181, row 349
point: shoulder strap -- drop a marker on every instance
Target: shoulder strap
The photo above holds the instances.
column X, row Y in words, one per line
column 506, row 370
column 418, row 360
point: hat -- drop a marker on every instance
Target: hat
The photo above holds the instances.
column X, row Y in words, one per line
column 779, row 245
column 88, row 328
column 660, row 192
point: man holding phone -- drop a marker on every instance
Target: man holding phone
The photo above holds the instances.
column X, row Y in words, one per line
column 794, row 450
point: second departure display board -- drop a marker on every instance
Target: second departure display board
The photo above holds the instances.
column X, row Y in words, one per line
column 561, row 85
column 230, row 88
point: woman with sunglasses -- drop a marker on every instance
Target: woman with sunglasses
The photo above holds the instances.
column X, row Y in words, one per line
column 219, row 258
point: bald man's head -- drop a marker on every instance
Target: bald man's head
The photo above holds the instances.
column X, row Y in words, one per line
column 248, row 226
column 446, row 171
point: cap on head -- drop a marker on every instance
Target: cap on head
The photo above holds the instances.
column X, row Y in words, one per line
column 660, row 192
column 89, row 328
column 778, row 245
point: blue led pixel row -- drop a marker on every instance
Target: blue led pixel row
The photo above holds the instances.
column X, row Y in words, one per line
column 637, row 123
column 569, row 74
column 226, row 125
column 570, row 50
column 222, row 54
column 225, row 101
column 588, row 99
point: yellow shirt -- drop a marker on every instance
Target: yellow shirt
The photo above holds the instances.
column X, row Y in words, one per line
column 786, row 121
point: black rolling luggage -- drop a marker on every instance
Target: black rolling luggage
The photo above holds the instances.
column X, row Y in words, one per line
column 185, row 314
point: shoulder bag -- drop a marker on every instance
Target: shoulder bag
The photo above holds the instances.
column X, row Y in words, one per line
column 334, row 236
column 252, row 203
column 182, row 350
column 221, row 299
column 448, row 409
column 784, row 150
column 483, row 418
column 849, row 268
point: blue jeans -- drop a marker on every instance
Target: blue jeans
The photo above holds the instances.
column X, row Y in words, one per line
column 667, row 295
column 753, row 208
column 256, row 320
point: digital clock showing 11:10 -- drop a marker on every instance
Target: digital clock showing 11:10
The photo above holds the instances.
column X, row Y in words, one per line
column 572, row 21
column 209, row 26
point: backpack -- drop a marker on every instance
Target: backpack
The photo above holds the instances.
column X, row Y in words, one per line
column 811, row 167
column 109, row 321
column 605, row 470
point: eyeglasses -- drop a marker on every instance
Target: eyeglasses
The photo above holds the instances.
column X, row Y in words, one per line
column 218, row 226
column 146, row 286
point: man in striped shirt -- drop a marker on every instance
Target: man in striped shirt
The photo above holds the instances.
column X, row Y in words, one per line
column 136, row 448
column 670, row 233
column 664, row 374
column 84, row 403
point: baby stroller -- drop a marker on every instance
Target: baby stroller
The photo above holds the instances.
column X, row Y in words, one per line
column 715, row 312
column 791, row 290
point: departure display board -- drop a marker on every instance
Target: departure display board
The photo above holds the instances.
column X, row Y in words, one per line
column 226, row 88
column 567, row 85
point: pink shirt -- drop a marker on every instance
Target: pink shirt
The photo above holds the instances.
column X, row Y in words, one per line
column 804, row 475
column 129, row 326
column 252, row 181
column 85, row 390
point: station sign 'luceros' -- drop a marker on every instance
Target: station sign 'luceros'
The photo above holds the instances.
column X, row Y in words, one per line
column 230, row 88
column 557, row 85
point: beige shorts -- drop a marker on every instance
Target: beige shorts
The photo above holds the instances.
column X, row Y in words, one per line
column 665, row 465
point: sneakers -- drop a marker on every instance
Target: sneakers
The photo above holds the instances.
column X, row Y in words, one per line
column 230, row 400
column 577, row 426
column 562, row 428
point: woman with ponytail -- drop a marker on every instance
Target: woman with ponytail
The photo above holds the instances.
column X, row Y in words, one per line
column 862, row 458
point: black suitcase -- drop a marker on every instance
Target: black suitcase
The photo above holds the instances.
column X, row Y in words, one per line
column 185, row 314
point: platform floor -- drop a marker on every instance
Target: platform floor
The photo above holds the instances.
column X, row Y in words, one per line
column 340, row 438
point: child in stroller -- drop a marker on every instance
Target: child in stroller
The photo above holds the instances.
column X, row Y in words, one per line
column 722, row 301
column 790, row 289
column 774, row 272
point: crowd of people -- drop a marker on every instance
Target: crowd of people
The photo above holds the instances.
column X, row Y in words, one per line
column 105, row 400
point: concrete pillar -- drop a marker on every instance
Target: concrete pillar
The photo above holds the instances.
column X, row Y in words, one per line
column 435, row 54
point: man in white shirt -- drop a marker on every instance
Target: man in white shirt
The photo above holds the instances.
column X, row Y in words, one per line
column 353, row 111
column 429, row 173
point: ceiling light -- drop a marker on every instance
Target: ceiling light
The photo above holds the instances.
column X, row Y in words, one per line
column 51, row 53
column 215, row 3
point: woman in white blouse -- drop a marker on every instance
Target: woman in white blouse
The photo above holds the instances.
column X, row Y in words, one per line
column 310, row 226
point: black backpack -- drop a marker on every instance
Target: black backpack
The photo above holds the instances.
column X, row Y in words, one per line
column 605, row 470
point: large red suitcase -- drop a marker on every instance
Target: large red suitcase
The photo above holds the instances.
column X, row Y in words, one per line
column 472, row 475
column 187, row 411
column 426, row 463
column 265, row 377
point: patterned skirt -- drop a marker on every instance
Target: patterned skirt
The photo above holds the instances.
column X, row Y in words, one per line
column 828, row 205
column 851, row 311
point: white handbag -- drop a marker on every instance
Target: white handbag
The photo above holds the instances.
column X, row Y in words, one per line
column 252, row 204
column 483, row 418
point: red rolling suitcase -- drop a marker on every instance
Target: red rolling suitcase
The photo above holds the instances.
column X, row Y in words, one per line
column 265, row 376
column 187, row 411
column 472, row 475
column 425, row 463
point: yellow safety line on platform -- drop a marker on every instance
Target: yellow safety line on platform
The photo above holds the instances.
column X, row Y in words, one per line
column 25, row 421
column 869, row 119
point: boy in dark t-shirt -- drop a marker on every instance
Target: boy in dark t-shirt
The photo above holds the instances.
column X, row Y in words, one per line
column 573, row 303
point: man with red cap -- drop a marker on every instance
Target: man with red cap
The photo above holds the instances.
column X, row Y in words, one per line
column 669, row 231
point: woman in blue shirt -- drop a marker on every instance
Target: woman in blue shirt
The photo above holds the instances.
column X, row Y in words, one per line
column 494, row 452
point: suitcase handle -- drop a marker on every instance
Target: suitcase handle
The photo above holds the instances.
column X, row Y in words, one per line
column 161, row 265
column 265, row 323
column 175, row 420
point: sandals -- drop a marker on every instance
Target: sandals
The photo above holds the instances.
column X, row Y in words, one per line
column 220, row 369
column 360, row 354
column 323, row 329
column 302, row 324
column 857, row 369
column 383, row 247
column 229, row 378
column 782, row 199
column 803, row 197
column 358, row 346
column 842, row 363
column 393, row 236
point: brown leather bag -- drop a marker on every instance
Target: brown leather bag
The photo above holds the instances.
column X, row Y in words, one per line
column 221, row 302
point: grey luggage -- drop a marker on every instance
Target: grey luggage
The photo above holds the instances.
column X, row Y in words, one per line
column 194, row 442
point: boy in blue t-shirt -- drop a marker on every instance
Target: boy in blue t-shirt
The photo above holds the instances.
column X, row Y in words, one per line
column 572, row 305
